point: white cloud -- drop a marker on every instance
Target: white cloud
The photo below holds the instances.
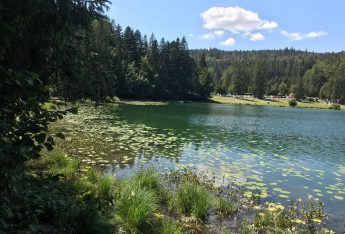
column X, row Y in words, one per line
column 228, row 42
column 292, row 36
column 316, row 34
column 219, row 32
column 300, row 36
column 257, row 37
column 213, row 35
column 235, row 19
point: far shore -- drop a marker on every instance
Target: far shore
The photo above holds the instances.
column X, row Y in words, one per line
column 277, row 102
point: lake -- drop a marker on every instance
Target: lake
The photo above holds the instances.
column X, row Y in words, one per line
column 280, row 154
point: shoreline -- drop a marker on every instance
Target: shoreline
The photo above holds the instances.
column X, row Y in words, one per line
column 279, row 102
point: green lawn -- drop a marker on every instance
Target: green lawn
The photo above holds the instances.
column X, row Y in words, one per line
column 281, row 102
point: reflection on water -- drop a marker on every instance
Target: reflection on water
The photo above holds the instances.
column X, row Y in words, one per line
column 279, row 154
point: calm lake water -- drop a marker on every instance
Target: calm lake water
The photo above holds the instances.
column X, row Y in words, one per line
column 280, row 154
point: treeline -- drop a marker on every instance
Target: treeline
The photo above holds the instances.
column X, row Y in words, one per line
column 102, row 61
column 277, row 72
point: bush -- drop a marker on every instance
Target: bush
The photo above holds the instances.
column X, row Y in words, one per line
column 293, row 102
column 193, row 199
column 335, row 106
column 134, row 207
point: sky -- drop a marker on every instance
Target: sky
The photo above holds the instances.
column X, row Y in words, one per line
column 313, row 25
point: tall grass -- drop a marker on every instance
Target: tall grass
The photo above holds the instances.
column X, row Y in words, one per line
column 225, row 208
column 59, row 164
column 135, row 206
column 170, row 227
column 147, row 179
column 193, row 199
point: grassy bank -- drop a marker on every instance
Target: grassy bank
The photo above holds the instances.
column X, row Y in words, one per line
column 61, row 195
column 279, row 102
column 141, row 102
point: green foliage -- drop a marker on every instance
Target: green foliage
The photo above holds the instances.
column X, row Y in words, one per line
column 293, row 102
column 283, row 89
column 193, row 199
column 49, row 106
column 148, row 179
column 59, row 164
column 274, row 72
column 134, row 206
column 81, row 217
column 170, row 227
column 257, row 87
column 225, row 208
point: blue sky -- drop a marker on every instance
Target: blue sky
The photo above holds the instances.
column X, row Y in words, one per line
column 315, row 25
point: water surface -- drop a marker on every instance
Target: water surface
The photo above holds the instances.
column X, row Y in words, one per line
column 280, row 154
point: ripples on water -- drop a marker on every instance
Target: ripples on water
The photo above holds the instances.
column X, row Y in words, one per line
column 280, row 154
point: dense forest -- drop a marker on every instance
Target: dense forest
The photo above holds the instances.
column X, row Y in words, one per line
column 277, row 72
column 106, row 61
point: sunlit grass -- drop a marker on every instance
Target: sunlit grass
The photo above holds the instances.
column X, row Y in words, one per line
column 141, row 102
column 193, row 199
column 279, row 102
column 58, row 163
column 134, row 206
column 147, row 179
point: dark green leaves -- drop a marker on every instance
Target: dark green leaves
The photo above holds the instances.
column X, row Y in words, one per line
column 40, row 137
column 73, row 110
column 60, row 135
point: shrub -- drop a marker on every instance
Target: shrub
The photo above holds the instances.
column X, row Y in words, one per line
column 335, row 106
column 193, row 199
column 225, row 208
column 293, row 102
column 134, row 206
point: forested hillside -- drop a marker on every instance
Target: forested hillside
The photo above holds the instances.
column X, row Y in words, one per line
column 106, row 61
column 277, row 72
